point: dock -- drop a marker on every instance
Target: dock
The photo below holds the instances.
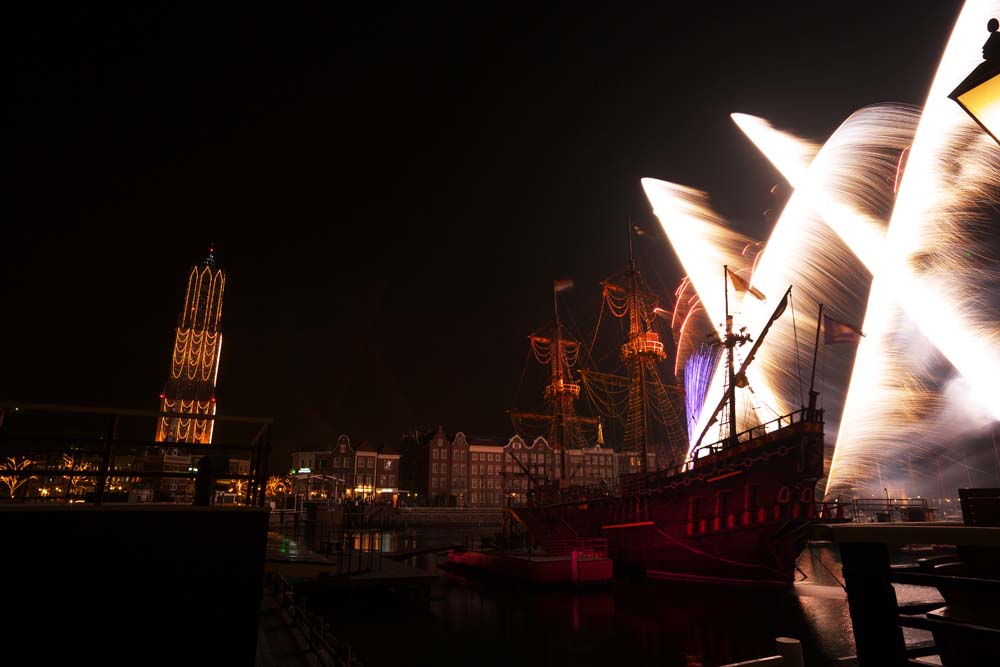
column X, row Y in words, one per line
column 320, row 576
column 965, row 626
column 568, row 562
column 537, row 569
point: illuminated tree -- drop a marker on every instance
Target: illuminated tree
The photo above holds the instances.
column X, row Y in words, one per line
column 13, row 464
column 78, row 482
column 278, row 485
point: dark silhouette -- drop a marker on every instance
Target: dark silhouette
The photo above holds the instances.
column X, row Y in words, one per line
column 210, row 468
column 991, row 49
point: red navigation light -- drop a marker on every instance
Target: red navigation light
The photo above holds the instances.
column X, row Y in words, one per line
column 163, row 395
column 212, row 399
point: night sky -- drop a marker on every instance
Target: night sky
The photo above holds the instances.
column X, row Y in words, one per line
column 391, row 191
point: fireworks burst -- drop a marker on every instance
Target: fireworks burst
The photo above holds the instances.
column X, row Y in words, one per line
column 903, row 250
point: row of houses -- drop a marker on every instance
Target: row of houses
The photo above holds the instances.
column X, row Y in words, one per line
column 340, row 472
column 439, row 468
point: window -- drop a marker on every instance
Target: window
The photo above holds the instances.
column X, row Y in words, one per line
column 434, row 482
column 695, row 522
column 336, row 461
column 722, row 502
column 475, row 483
column 434, row 468
column 489, row 484
column 475, row 456
column 434, row 453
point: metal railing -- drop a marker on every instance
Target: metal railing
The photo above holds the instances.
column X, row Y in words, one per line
column 585, row 547
column 890, row 510
column 314, row 629
column 776, row 424
column 74, row 443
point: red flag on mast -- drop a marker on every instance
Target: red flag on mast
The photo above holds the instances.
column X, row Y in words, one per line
column 562, row 285
column 742, row 286
column 835, row 332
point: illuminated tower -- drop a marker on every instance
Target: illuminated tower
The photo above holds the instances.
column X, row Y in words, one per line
column 194, row 365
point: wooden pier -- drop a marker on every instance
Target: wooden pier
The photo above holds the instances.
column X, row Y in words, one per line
column 351, row 572
column 966, row 628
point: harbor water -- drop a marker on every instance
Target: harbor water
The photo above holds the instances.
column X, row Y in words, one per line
column 478, row 620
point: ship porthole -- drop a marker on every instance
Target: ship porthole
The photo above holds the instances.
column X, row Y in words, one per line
column 784, row 495
column 783, row 451
column 747, row 462
column 687, row 481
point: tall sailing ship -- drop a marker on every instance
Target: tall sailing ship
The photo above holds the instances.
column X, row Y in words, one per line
column 732, row 510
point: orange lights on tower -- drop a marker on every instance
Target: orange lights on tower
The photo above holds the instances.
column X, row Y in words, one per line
column 194, row 367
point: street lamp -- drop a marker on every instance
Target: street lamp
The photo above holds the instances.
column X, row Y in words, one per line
column 979, row 93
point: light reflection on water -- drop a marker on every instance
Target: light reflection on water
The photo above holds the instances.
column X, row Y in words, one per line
column 482, row 621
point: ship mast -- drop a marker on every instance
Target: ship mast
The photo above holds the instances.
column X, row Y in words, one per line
column 730, row 341
column 560, row 352
column 637, row 404
column 561, row 394
column 627, row 296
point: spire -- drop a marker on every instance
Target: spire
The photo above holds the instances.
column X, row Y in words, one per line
column 210, row 259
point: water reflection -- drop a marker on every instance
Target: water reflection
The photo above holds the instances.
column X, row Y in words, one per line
column 483, row 621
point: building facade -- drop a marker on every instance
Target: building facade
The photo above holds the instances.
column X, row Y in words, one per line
column 368, row 473
column 448, row 469
column 484, row 472
column 593, row 468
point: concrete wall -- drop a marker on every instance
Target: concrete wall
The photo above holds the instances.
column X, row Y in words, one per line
column 132, row 584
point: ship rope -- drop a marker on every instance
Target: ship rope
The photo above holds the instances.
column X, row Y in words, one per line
column 617, row 305
column 795, row 335
column 593, row 339
column 605, row 400
column 524, row 369
column 722, row 559
column 542, row 348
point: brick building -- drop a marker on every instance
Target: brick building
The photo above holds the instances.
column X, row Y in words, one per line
column 486, row 487
column 463, row 471
column 341, row 471
column 387, row 472
column 448, row 469
column 376, row 472
column 594, row 468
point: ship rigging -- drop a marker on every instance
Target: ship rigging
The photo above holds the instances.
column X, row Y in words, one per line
column 651, row 410
column 565, row 429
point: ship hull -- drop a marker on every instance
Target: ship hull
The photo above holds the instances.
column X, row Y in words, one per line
column 738, row 516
